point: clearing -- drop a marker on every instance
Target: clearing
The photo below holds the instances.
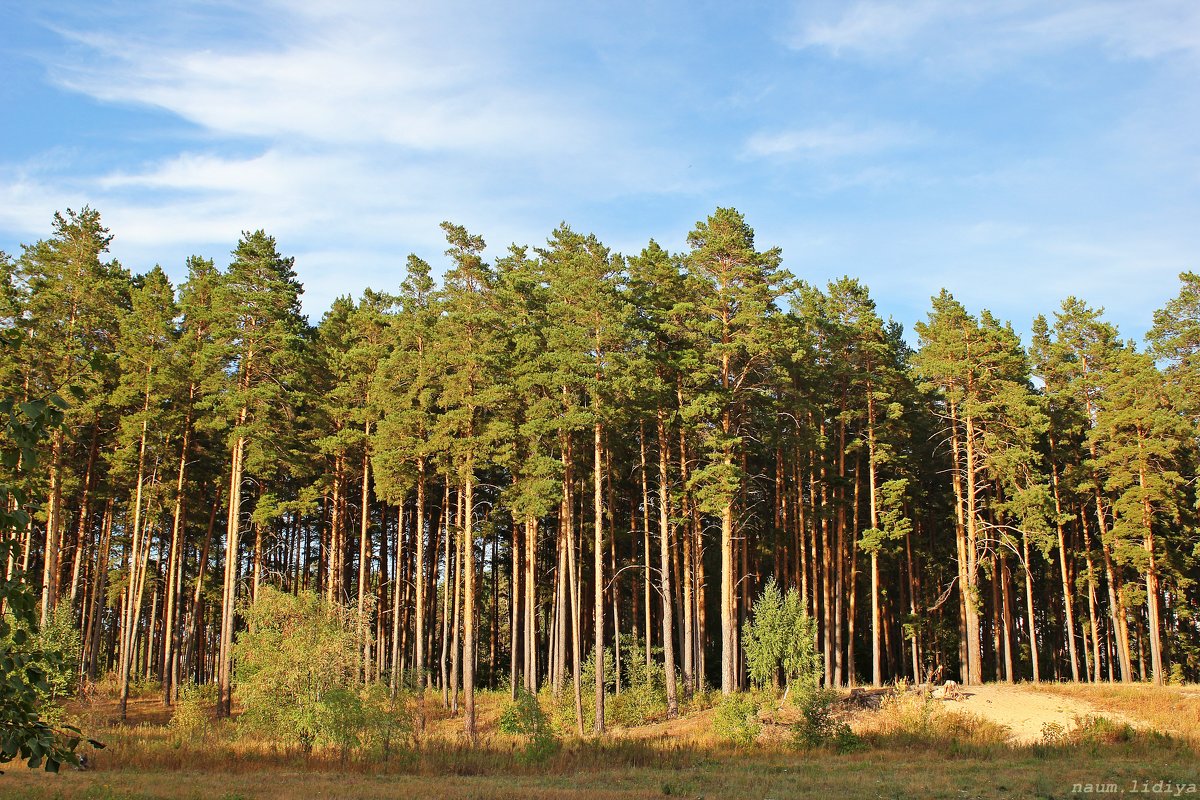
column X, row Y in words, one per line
column 911, row 749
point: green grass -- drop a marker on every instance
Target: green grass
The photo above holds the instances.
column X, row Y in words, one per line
column 913, row 750
column 1030, row 773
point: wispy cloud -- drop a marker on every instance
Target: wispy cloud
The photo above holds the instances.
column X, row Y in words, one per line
column 349, row 130
column 363, row 122
column 358, row 76
column 981, row 33
column 834, row 141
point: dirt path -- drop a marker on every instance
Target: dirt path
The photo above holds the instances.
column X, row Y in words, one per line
column 1022, row 709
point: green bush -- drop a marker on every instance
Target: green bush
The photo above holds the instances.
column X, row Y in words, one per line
column 819, row 725
column 389, row 721
column 27, row 669
column 524, row 717
column 192, row 718
column 297, row 668
column 780, row 640
column 1093, row 729
column 736, row 720
column 562, row 707
column 55, row 651
column 637, row 704
column 643, row 696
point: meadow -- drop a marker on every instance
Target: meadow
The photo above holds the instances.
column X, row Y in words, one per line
column 1138, row 738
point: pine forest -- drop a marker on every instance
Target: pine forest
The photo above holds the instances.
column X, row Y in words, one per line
column 547, row 465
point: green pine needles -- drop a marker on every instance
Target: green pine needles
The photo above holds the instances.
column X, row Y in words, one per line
column 779, row 642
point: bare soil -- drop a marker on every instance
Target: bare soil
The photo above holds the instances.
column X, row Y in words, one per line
column 1026, row 710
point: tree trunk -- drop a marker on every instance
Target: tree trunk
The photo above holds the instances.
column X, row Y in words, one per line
column 1152, row 610
column 514, row 609
column 229, row 596
column 531, row 660
column 446, row 592
column 53, row 523
column 364, row 556
column 1092, row 615
column 1068, row 604
column 664, row 566
column 456, row 643
column 572, row 588
column 645, row 539
column 136, row 570
column 469, row 606
column 170, row 624
column 598, row 574
column 1033, row 639
column 876, row 665
column 419, row 625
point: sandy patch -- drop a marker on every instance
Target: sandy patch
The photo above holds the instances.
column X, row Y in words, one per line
column 1024, row 710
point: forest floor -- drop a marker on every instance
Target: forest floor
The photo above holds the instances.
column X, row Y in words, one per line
column 998, row 740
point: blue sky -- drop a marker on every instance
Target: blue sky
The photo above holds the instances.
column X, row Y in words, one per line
column 1013, row 152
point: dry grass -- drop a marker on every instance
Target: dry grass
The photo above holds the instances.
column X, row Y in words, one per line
column 915, row 750
column 1169, row 709
column 911, row 721
column 890, row 774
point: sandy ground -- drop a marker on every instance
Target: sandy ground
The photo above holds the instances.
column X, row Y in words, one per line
column 1024, row 710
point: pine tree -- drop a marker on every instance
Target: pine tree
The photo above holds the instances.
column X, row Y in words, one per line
column 734, row 315
column 532, row 404
column 146, row 350
column 203, row 356
column 658, row 290
column 978, row 368
column 586, row 344
column 406, row 390
column 1141, row 441
column 1088, row 346
column 468, row 349
column 74, row 303
column 265, row 336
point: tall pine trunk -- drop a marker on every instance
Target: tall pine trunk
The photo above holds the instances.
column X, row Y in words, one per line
column 598, row 573
column 664, row 566
column 229, row 595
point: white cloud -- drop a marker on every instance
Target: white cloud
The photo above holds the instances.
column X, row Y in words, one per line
column 871, row 27
column 981, row 34
column 829, row 141
column 357, row 75
column 363, row 123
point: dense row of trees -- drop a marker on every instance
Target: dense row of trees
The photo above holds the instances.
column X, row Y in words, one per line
column 568, row 450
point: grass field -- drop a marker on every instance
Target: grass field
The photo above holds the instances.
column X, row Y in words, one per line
column 911, row 750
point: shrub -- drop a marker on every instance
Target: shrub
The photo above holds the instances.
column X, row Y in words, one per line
column 736, row 720
column 560, row 708
column 780, row 639
column 524, row 717
column 643, row 696
column 1053, row 734
column 192, row 718
column 26, row 669
column 819, row 725
column 702, row 699
column 55, row 650
column 1094, row 729
column 297, row 668
column 340, row 719
column 389, row 720
column 637, row 704
column 1175, row 675
column 642, row 699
